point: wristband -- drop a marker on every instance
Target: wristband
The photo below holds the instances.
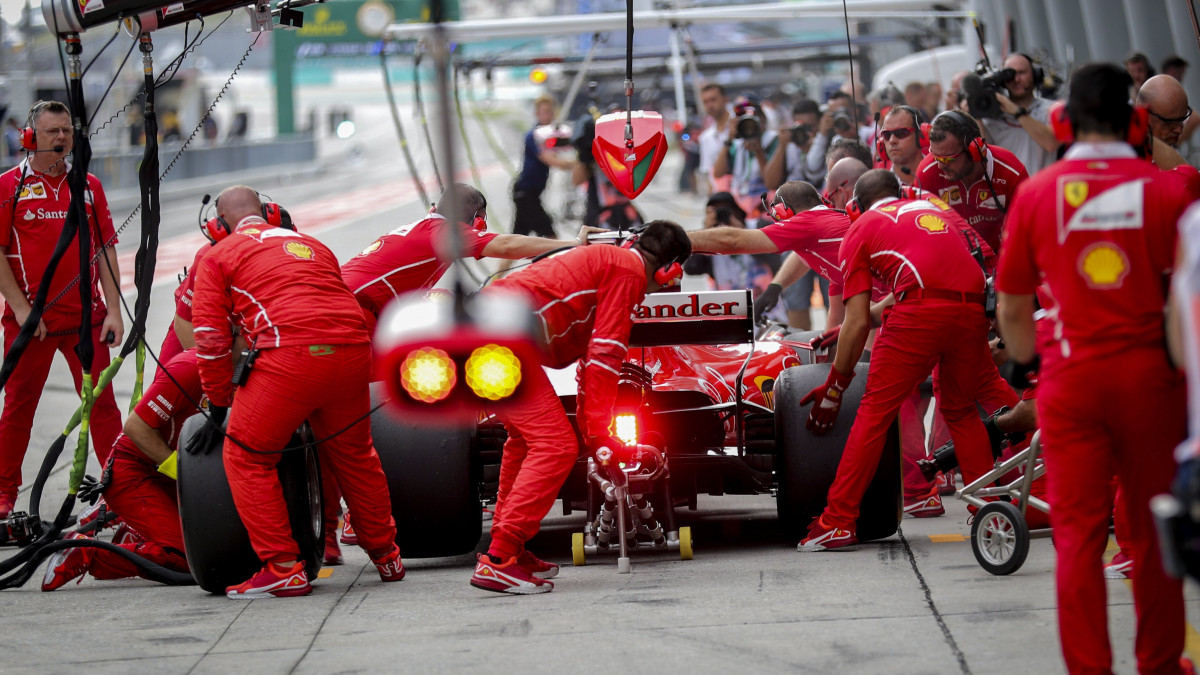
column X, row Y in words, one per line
column 1021, row 112
column 170, row 466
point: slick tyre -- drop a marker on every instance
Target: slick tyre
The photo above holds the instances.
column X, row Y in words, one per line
column 806, row 464
column 433, row 480
column 218, row 548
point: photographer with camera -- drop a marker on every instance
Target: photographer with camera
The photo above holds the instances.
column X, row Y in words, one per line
column 747, row 153
column 1018, row 121
column 791, row 164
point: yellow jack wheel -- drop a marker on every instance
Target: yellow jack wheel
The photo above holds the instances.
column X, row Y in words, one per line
column 577, row 558
column 685, row 543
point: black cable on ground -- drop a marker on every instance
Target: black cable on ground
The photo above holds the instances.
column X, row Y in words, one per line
column 154, row 571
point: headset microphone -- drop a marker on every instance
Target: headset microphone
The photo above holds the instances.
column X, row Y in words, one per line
column 905, row 170
column 57, row 148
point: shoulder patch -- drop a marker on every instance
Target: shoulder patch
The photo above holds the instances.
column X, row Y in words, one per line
column 298, row 250
column 931, row 223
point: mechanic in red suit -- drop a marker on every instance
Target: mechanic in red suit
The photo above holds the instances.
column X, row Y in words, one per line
column 937, row 321
column 1098, row 231
column 976, row 179
column 179, row 334
column 286, row 293
column 584, row 301
column 803, row 224
column 414, row 256
column 143, row 482
column 36, row 197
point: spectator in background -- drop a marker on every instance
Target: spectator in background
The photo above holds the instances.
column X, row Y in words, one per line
column 953, row 99
column 712, row 139
column 847, row 147
column 1167, row 102
column 914, row 95
column 775, row 108
column 797, row 141
column 689, row 143
column 836, row 120
column 1138, row 66
column 12, row 141
column 1023, row 128
column 529, row 216
column 933, row 99
column 1174, row 66
column 747, row 153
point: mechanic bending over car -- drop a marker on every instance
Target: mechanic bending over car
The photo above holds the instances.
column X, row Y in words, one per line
column 139, row 483
column 803, row 224
column 415, row 256
column 937, row 320
column 1109, row 291
column 584, row 299
column 285, row 291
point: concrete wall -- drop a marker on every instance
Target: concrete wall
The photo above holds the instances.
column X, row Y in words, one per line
column 119, row 171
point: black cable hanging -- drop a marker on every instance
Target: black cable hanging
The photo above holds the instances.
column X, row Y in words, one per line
column 404, row 149
column 420, row 101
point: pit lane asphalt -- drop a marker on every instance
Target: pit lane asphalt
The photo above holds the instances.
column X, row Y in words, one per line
column 748, row 602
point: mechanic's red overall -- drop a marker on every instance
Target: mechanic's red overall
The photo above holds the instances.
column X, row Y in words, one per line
column 584, row 300
column 29, row 230
column 145, row 498
column 286, row 293
column 1098, row 230
column 816, row 236
column 171, row 345
column 915, row 248
column 406, row 259
column 982, row 210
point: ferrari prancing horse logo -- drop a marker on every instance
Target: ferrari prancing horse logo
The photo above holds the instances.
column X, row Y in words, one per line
column 1075, row 192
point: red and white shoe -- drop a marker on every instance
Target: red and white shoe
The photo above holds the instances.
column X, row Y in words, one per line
column 91, row 513
column 928, row 506
column 507, row 576
column 348, row 536
column 273, row 581
column 127, row 535
column 391, row 568
column 821, row 537
column 945, row 483
column 68, row 564
column 7, row 503
column 1120, row 567
column 536, row 566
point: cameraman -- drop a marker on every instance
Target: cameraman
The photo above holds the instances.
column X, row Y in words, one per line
column 1024, row 126
column 747, row 153
column 836, row 121
column 791, row 164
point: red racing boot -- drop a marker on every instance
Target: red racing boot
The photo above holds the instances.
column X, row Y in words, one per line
column 273, row 581
column 333, row 552
column 1121, row 567
column 822, row 537
column 68, row 564
column 507, row 576
column 348, row 536
column 536, row 566
column 925, row 506
column 390, row 568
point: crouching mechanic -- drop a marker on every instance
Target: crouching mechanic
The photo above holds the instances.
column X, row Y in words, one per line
column 286, row 293
column 584, row 301
column 142, row 487
column 413, row 256
column 937, row 320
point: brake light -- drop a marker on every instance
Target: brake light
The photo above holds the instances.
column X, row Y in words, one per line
column 428, row 374
column 625, row 428
column 493, row 372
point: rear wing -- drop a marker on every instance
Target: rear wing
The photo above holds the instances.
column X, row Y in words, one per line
column 695, row 318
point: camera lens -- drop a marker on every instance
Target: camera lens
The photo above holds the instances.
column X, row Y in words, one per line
column 749, row 127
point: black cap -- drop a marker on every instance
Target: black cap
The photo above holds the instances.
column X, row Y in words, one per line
column 724, row 198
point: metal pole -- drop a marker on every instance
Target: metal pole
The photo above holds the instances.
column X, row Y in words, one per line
column 677, row 70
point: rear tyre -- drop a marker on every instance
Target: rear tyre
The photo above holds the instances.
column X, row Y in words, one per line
column 806, row 464
column 433, row 481
column 217, row 545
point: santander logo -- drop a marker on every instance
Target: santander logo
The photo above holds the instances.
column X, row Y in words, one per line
column 692, row 306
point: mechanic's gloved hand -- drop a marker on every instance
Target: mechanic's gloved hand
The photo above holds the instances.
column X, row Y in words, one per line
column 767, row 301
column 90, row 489
column 205, row 439
column 827, row 401
column 1021, row 375
column 828, row 338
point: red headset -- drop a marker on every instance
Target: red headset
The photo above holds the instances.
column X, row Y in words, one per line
column 778, row 210
column 216, row 229
column 28, row 139
column 667, row 275
column 973, row 144
column 1136, row 134
column 854, row 209
column 922, row 131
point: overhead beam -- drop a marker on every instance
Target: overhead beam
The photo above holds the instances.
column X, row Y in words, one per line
column 481, row 30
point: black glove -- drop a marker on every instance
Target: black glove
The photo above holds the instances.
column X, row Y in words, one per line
column 1021, row 375
column 209, row 435
column 90, row 489
column 767, row 301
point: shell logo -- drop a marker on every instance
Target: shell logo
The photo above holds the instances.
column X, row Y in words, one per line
column 887, row 209
column 1104, row 265
column 937, row 201
column 375, row 246
column 1075, row 192
column 766, row 385
column 931, row 223
column 298, row 250
column 251, row 230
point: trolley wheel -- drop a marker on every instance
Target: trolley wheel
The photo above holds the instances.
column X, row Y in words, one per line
column 577, row 557
column 685, row 543
column 1000, row 538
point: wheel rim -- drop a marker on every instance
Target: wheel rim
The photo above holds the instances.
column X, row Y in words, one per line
column 997, row 539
